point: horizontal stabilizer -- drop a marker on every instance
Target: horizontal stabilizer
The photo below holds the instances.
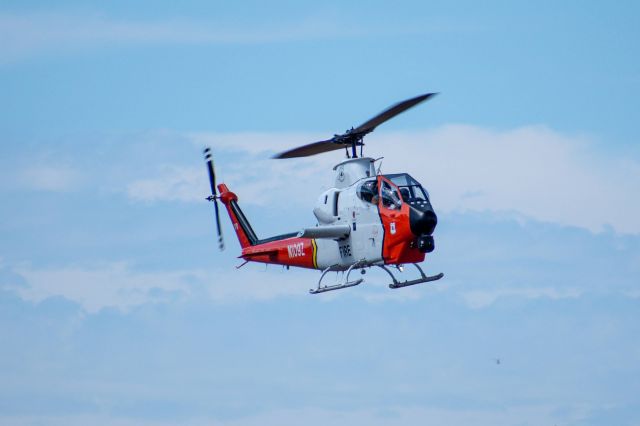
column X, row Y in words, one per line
column 259, row 251
column 333, row 232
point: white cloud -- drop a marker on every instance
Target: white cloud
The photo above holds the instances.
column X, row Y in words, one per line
column 255, row 143
column 118, row 285
column 534, row 171
column 525, row 414
column 112, row 285
column 50, row 178
column 24, row 35
column 252, row 174
column 531, row 171
column 173, row 184
column 482, row 298
column 534, row 414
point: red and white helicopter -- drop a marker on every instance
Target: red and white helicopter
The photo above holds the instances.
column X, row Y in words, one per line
column 367, row 219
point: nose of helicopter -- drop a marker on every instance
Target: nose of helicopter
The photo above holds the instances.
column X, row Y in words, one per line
column 423, row 220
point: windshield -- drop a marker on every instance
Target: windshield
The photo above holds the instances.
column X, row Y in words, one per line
column 410, row 189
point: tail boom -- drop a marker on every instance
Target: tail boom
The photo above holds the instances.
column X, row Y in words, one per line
column 288, row 250
column 298, row 252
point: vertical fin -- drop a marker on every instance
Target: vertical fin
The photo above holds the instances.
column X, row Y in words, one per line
column 246, row 236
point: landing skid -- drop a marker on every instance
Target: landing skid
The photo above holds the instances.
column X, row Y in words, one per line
column 423, row 278
column 395, row 284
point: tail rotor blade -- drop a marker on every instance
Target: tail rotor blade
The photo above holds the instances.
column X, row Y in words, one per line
column 220, row 239
column 212, row 174
column 214, row 193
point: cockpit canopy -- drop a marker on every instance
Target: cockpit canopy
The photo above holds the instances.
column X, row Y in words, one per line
column 410, row 189
column 367, row 190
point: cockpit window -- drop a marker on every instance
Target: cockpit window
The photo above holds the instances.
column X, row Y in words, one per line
column 368, row 190
column 410, row 189
column 390, row 197
column 413, row 192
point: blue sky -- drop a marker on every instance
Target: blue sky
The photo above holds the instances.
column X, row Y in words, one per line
column 117, row 309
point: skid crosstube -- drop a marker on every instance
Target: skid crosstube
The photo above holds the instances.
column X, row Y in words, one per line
column 395, row 284
column 346, row 283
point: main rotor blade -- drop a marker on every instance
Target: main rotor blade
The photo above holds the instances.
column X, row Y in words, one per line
column 310, row 149
column 391, row 112
column 353, row 136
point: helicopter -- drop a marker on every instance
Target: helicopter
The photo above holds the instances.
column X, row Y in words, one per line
column 367, row 219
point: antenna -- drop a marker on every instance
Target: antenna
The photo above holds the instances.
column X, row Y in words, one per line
column 379, row 165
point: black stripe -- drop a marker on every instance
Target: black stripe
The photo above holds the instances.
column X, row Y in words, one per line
column 383, row 233
column 248, row 230
column 244, row 223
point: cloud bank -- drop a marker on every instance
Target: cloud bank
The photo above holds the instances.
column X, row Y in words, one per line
column 29, row 34
column 24, row 35
column 531, row 171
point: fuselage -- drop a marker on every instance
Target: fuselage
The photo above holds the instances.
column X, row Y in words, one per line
column 389, row 218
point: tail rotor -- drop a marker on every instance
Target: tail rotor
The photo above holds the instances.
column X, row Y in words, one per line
column 214, row 193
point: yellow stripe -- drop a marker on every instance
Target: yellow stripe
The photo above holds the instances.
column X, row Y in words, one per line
column 315, row 253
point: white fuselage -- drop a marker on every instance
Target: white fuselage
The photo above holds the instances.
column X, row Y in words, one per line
column 341, row 205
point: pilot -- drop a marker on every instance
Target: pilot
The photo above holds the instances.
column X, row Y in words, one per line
column 369, row 192
column 390, row 199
